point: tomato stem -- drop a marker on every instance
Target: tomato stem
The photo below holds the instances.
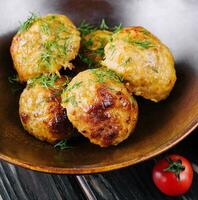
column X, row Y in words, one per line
column 175, row 166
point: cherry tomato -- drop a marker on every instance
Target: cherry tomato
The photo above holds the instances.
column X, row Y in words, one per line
column 173, row 175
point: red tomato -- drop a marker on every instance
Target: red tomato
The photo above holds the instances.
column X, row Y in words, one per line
column 173, row 175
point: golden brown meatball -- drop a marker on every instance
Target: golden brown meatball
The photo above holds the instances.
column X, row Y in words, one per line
column 142, row 60
column 100, row 107
column 40, row 110
column 44, row 45
column 92, row 47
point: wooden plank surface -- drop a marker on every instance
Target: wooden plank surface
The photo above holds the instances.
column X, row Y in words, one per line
column 130, row 183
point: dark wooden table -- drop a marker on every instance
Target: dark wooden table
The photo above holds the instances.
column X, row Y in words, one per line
column 130, row 183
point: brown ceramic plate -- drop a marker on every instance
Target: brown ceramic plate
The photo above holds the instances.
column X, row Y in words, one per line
column 160, row 125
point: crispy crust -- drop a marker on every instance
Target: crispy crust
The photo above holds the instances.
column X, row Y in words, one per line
column 104, row 112
column 42, row 114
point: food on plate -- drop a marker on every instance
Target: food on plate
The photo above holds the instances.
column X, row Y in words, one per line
column 92, row 47
column 99, row 101
column 173, row 175
column 44, row 45
column 40, row 108
column 100, row 107
column 144, row 62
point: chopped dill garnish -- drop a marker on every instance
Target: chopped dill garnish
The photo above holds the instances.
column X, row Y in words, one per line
column 143, row 44
column 70, row 99
column 13, row 79
column 45, row 27
column 86, row 28
column 75, row 85
column 61, row 28
column 103, row 75
column 63, row 144
column 145, row 32
column 103, row 25
column 99, row 51
column 44, row 80
column 85, row 59
column 15, row 85
column 128, row 60
column 117, row 28
column 28, row 23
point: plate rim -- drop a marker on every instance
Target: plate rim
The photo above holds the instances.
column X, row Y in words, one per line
column 101, row 169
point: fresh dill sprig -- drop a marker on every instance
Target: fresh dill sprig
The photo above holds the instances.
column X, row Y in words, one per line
column 143, row 44
column 71, row 99
column 44, row 80
column 28, row 23
column 103, row 75
column 15, row 85
column 13, row 79
column 45, row 27
column 103, row 25
column 145, row 32
column 68, row 95
column 75, row 85
column 63, row 144
column 86, row 28
column 87, row 60
column 117, row 28
column 99, row 51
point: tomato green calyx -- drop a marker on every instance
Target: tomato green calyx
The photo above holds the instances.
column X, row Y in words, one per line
column 175, row 166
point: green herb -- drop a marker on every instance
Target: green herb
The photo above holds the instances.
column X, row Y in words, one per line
column 117, row 28
column 175, row 167
column 52, row 50
column 90, row 62
column 28, row 23
column 143, row 44
column 86, row 28
column 112, row 48
column 71, row 99
column 103, row 75
column 63, row 144
column 16, row 87
column 128, row 60
column 50, row 45
column 145, row 32
column 13, row 79
column 75, row 85
column 87, row 43
column 99, row 51
column 46, row 59
column 45, row 27
column 44, row 80
column 61, row 28
column 103, row 25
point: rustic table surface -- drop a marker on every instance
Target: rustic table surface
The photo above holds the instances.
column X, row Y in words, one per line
column 130, row 183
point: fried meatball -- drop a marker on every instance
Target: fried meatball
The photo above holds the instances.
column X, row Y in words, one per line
column 92, row 47
column 44, row 45
column 143, row 61
column 40, row 110
column 100, row 107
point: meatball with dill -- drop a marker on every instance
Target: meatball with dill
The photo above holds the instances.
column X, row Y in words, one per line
column 43, row 45
column 40, row 108
column 145, row 63
column 92, row 47
column 100, row 107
